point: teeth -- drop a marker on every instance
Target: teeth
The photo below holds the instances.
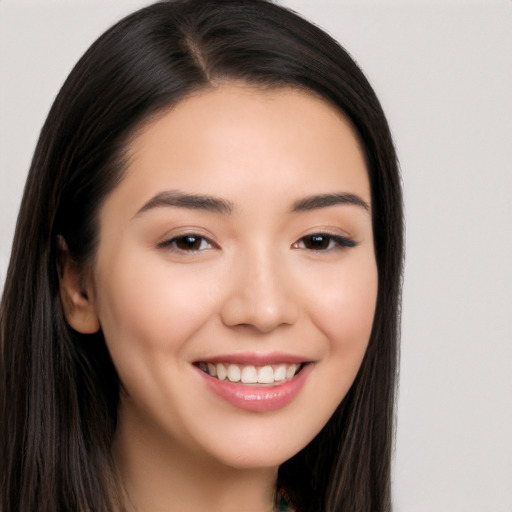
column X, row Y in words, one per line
column 291, row 370
column 212, row 369
column 280, row 372
column 233, row 373
column 266, row 375
column 221, row 372
column 251, row 374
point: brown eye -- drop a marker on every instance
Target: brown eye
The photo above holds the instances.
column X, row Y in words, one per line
column 187, row 243
column 317, row 242
column 323, row 242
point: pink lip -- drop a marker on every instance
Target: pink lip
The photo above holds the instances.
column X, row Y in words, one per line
column 255, row 359
column 257, row 398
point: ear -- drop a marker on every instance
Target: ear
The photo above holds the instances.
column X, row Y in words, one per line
column 75, row 293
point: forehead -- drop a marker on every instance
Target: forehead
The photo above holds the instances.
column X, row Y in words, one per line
column 235, row 136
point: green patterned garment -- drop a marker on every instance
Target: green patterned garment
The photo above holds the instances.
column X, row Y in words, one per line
column 282, row 502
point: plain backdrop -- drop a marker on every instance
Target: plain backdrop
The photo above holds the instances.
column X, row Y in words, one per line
column 443, row 72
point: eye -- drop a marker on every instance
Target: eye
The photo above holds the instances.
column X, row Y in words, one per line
column 190, row 242
column 323, row 242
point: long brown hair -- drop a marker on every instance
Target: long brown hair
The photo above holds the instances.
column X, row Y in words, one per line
column 59, row 389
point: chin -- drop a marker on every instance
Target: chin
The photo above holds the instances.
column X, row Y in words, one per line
column 259, row 448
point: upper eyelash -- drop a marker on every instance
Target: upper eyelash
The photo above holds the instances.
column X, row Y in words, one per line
column 341, row 241
column 169, row 241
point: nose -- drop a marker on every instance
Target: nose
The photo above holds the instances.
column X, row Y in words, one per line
column 261, row 295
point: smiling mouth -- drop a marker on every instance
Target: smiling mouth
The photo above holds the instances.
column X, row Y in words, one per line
column 267, row 375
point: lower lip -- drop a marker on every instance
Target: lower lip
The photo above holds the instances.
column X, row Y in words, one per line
column 258, row 398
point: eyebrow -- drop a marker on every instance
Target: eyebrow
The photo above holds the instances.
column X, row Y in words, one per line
column 178, row 199
column 174, row 198
column 326, row 200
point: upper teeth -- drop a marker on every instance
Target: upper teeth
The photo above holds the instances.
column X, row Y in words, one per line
column 250, row 374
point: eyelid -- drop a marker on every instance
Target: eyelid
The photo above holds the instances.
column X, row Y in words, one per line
column 169, row 242
column 341, row 241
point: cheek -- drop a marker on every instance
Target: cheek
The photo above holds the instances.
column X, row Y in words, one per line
column 148, row 309
column 345, row 309
column 342, row 308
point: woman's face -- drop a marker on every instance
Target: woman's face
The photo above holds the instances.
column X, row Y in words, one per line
column 239, row 242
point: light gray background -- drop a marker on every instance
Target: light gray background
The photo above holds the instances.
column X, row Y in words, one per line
column 443, row 71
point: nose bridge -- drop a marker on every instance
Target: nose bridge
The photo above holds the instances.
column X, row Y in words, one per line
column 262, row 291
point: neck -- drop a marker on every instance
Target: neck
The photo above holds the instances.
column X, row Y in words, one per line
column 160, row 476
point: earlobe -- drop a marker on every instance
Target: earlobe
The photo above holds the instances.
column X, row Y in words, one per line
column 76, row 295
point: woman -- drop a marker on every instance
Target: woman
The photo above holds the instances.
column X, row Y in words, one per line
column 201, row 310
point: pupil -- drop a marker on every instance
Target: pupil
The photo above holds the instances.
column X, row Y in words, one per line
column 188, row 242
column 318, row 241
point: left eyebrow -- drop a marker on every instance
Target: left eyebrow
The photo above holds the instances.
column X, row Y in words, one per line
column 326, row 200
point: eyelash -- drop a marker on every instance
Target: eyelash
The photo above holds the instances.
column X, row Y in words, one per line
column 333, row 242
column 320, row 239
column 190, row 239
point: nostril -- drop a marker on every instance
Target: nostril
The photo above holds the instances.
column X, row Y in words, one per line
column 261, row 313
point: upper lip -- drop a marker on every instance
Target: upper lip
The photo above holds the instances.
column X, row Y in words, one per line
column 256, row 358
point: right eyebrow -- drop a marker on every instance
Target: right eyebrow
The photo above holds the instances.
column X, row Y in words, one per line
column 175, row 198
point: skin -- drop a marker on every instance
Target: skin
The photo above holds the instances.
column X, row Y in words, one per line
column 253, row 284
